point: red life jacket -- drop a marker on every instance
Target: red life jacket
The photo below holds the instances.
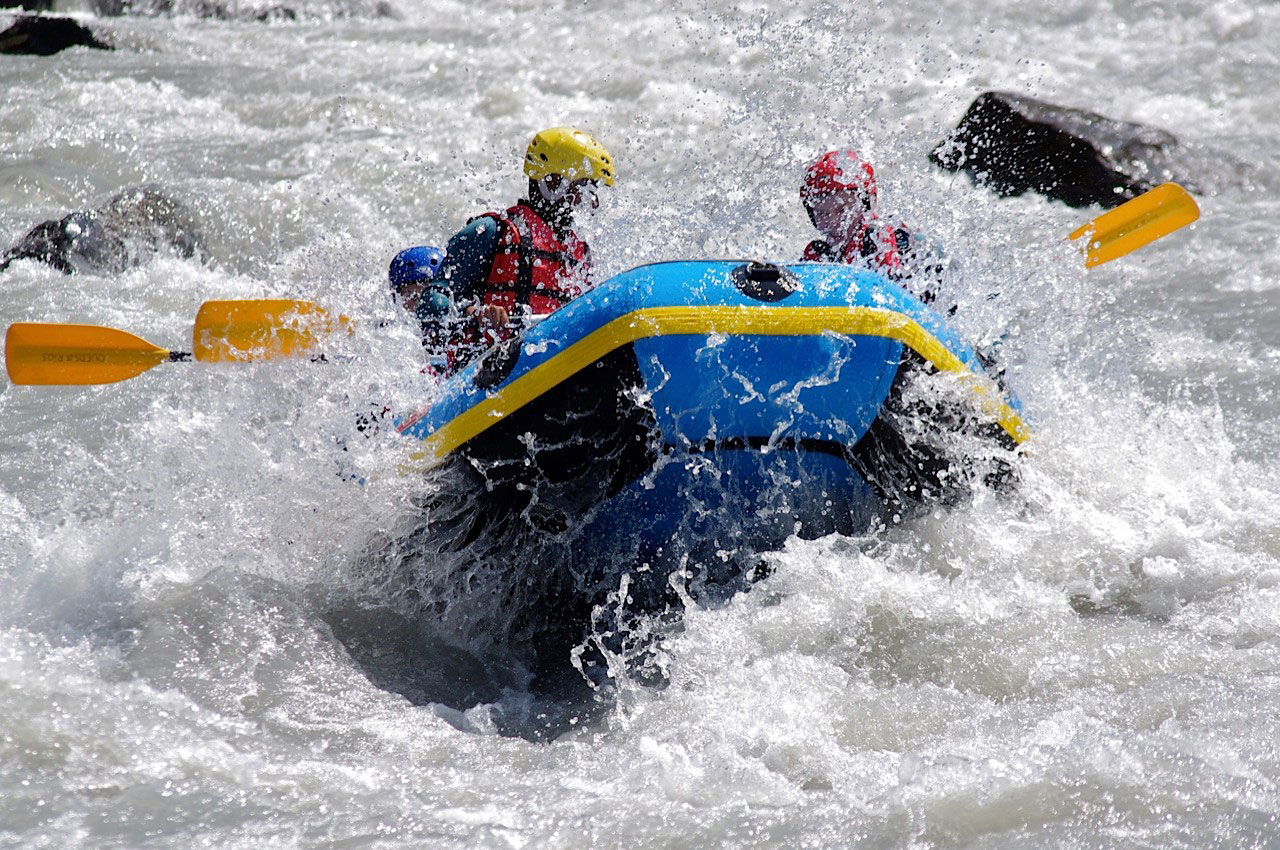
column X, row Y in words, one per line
column 534, row 272
column 533, row 266
column 876, row 246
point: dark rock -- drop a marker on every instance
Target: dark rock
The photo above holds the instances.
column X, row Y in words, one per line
column 27, row 5
column 47, row 242
column 264, row 11
column 1014, row 144
column 41, row 36
column 128, row 230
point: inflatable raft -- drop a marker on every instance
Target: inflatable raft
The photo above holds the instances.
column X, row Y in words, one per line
column 720, row 405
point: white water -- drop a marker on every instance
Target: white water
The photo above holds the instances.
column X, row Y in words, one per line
column 186, row 621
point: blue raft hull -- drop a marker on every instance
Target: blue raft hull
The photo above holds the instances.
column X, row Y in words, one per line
column 705, row 409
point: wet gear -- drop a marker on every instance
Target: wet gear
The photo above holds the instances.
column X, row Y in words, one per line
column 533, row 269
column 570, row 153
column 419, row 264
column 840, row 171
column 533, row 265
column 876, row 245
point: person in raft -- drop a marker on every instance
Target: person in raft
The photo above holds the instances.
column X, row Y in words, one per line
column 504, row 268
column 418, row 287
column 840, row 195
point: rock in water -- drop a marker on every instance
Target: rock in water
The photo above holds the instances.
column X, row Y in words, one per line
column 127, row 231
column 250, row 10
column 1015, row 144
column 40, row 36
column 27, row 5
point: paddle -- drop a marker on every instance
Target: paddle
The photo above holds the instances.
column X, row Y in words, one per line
column 78, row 354
column 256, row 330
column 224, row 331
column 1135, row 223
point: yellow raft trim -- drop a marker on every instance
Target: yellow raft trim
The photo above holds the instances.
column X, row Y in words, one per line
column 673, row 321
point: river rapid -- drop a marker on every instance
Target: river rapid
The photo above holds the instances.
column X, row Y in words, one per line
column 196, row 646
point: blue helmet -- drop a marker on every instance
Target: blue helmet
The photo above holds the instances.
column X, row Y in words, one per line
column 418, row 264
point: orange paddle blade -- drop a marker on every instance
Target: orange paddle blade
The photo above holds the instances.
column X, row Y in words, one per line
column 257, row 330
column 38, row 353
column 1135, row 223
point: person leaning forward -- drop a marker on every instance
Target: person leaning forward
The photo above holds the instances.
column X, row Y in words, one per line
column 505, row 268
column 840, row 195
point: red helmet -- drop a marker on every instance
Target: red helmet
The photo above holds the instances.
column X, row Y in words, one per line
column 838, row 171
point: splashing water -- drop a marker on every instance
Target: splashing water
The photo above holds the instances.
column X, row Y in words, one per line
column 203, row 638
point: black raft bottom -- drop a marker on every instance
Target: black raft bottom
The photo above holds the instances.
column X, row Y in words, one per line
column 501, row 556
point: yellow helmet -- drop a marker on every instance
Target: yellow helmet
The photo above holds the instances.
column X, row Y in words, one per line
column 570, row 153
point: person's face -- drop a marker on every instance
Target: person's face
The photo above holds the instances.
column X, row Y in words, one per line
column 574, row 193
column 582, row 193
column 410, row 294
column 838, row 215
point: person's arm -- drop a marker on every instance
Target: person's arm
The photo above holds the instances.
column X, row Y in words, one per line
column 922, row 263
column 469, row 256
column 476, row 245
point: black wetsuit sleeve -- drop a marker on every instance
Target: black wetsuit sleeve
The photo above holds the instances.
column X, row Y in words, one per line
column 469, row 256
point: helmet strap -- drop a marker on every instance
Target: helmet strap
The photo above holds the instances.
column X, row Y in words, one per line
column 551, row 204
column 553, row 188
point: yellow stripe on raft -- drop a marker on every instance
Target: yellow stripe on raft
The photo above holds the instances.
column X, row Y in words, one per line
column 673, row 321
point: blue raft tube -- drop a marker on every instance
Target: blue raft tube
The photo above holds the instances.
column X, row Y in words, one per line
column 726, row 405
